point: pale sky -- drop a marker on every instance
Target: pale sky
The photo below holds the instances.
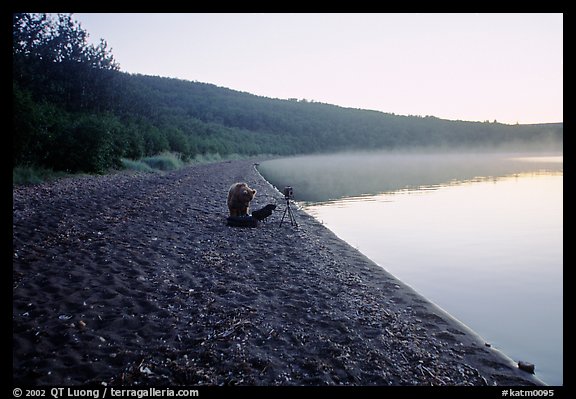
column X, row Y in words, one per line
column 475, row 67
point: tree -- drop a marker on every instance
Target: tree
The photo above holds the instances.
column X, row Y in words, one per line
column 52, row 58
column 57, row 73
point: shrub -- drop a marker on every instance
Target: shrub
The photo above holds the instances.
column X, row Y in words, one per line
column 24, row 175
column 206, row 158
column 85, row 145
column 164, row 161
column 138, row 166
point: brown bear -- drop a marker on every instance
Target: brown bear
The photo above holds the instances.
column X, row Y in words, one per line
column 239, row 197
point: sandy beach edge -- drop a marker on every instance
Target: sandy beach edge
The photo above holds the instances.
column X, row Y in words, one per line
column 135, row 279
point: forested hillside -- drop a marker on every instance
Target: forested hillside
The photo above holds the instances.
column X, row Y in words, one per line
column 74, row 110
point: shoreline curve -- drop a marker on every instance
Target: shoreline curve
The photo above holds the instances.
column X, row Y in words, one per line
column 135, row 279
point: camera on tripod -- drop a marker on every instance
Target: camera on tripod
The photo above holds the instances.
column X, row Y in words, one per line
column 288, row 192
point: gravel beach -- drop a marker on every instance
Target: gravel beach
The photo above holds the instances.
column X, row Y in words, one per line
column 135, row 279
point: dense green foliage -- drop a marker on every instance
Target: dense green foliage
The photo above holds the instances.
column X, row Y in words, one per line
column 24, row 175
column 74, row 110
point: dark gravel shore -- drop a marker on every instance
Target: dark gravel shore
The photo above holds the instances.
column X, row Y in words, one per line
column 135, row 279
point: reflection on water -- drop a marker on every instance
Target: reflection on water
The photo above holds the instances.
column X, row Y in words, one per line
column 326, row 177
column 483, row 239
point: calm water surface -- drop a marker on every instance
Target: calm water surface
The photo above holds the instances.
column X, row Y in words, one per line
column 479, row 235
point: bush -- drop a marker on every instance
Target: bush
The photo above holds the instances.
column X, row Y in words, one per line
column 164, row 161
column 206, row 158
column 24, row 175
column 85, row 145
column 138, row 166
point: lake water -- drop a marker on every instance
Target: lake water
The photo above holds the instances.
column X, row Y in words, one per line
column 480, row 235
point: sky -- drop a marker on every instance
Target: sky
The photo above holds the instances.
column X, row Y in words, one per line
column 473, row 67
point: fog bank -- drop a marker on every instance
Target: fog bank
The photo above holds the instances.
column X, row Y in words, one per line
column 324, row 177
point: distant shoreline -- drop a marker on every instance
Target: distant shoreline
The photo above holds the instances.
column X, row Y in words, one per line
column 135, row 279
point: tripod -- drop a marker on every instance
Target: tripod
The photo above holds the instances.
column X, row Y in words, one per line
column 290, row 214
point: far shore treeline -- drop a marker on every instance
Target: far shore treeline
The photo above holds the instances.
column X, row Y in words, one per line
column 75, row 111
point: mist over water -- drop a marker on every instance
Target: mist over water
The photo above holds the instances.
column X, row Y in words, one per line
column 319, row 178
column 478, row 233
